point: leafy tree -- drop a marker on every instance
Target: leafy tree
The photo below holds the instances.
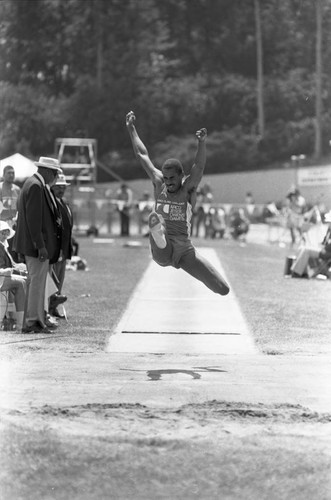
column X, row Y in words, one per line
column 76, row 67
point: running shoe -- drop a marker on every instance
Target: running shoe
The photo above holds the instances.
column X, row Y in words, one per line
column 157, row 230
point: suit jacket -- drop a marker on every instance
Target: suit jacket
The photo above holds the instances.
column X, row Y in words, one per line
column 67, row 224
column 39, row 222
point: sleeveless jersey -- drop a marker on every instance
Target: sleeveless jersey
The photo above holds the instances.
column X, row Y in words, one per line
column 176, row 211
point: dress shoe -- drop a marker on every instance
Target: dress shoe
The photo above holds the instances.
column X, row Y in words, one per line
column 56, row 299
column 36, row 328
column 51, row 324
column 55, row 313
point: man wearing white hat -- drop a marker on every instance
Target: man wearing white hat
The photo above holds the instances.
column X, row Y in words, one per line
column 38, row 238
column 59, row 268
column 12, row 275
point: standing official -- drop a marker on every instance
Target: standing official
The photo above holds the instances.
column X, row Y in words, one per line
column 59, row 267
column 38, row 238
column 124, row 203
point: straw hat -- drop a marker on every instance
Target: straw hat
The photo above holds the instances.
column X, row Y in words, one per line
column 4, row 225
column 61, row 180
column 51, row 163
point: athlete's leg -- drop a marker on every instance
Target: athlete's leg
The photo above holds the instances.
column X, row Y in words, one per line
column 161, row 247
column 199, row 267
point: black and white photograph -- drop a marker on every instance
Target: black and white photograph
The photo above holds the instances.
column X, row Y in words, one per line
column 165, row 249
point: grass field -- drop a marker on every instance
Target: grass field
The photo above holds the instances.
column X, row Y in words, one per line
column 284, row 315
column 214, row 450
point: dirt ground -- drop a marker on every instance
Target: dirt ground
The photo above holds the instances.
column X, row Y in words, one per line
column 199, row 451
column 63, row 434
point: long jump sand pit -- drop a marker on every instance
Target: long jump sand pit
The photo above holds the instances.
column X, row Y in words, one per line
column 82, row 423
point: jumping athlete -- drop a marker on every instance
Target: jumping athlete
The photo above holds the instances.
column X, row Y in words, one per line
column 175, row 197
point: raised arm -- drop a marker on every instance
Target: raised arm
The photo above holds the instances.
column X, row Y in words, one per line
column 196, row 173
column 140, row 150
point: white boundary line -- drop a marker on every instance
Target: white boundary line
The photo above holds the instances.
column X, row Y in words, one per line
column 140, row 337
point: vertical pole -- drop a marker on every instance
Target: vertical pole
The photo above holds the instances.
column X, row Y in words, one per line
column 259, row 57
column 26, row 301
column 93, row 187
column 318, row 131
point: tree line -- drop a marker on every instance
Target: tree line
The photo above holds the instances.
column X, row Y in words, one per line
column 255, row 73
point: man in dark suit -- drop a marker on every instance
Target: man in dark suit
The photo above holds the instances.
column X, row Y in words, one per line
column 38, row 238
column 59, row 268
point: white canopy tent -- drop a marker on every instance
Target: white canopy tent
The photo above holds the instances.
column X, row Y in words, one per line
column 23, row 166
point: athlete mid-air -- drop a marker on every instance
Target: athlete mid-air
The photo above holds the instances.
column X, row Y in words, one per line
column 170, row 223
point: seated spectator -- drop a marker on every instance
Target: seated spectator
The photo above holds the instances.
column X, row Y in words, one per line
column 239, row 224
column 310, row 261
column 270, row 212
column 13, row 275
column 217, row 224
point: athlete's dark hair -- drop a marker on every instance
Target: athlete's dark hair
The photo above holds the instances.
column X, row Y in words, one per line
column 173, row 163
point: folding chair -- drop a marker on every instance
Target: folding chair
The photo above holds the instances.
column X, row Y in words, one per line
column 323, row 267
column 323, row 264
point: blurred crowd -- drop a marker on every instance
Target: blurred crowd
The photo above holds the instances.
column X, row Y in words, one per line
column 293, row 218
column 210, row 218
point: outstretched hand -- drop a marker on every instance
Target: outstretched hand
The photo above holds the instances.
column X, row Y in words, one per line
column 130, row 118
column 201, row 134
